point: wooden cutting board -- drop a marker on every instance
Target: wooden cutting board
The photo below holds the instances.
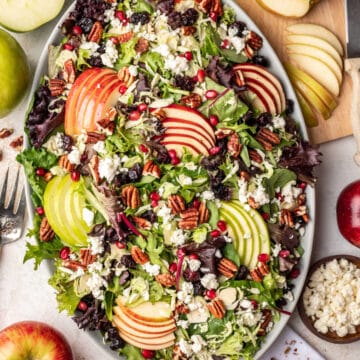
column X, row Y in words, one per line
column 331, row 14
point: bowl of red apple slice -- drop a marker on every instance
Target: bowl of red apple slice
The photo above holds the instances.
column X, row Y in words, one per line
column 329, row 305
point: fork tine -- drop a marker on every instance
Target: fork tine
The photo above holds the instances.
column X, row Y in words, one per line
column 14, row 192
column 4, row 189
column 21, row 207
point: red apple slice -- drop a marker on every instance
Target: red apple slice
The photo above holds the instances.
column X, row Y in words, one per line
column 247, row 68
column 174, row 123
column 264, row 93
column 178, row 142
column 176, row 130
column 262, row 101
column 155, row 344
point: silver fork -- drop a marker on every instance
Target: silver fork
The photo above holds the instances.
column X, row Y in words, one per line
column 11, row 216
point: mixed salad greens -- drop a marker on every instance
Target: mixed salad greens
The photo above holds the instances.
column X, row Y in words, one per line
column 174, row 191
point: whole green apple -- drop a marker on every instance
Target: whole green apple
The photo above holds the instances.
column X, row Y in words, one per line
column 14, row 73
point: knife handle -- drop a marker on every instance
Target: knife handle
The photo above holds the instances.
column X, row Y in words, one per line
column 352, row 66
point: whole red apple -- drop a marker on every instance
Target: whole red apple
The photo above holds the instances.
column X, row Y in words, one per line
column 33, row 340
column 348, row 212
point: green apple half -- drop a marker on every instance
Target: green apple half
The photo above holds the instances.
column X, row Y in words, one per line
column 63, row 204
column 14, row 73
column 27, row 15
column 288, row 8
column 248, row 230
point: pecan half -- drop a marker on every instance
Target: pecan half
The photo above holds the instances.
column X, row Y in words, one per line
column 211, row 6
column 96, row 32
column 123, row 38
column 69, row 71
column 17, row 143
column 223, row 133
column 139, row 256
column 93, row 137
column 267, row 138
column 142, row 45
column 86, row 257
column 255, row 156
column 239, row 79
column 181, row 308
column 65, row 163
column 94, row 169
column 253, row 203
column 254, row 40
column 130, row 196
column 193, row 100
column 46, row 233
column 72, row 265
column 4, row 133
column 150, row 168
column 176, row 203
column 160, row 114
column 56, row 86
column 188, row 30
column 217, row 308
column 166, row 280
column 48, row 176
column 233, row 146
column 227, row 267
column 106, row 125
column 249, row 51
column 204, row 213
column 265, row 323
column 286, row 218
column 263, row 269
column 245, row 175
column 125, row 77
column 256, row 275
column 142, row 223
column 190, row 219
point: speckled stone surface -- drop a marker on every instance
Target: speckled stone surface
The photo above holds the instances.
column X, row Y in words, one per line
column 24, row 294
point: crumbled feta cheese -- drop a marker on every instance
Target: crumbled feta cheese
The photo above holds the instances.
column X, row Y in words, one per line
column 278, row 122
column 190, row 166
column 96, row 284
column 260, row 195
column 133, row 70
column 182, row 324
column 176, row 64
column 243, row 192
column 194, row 264
column 99, row 147
column 178, row 237
column 165, row 213
column 184, row 180
column 151, row 269
column 88, row 216
column 111, row 54
column 208, row 195
column 185, row 347
column 276, row 249
column 91, row 46
column 188, row 287
column 197, row 343
column 162, row 49
column 209, row 281
column 290, row 194
column 74, row 156
column 55, row 144
column 108, row 167
column 238, row 43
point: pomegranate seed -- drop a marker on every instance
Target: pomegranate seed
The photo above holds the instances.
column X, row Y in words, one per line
column 302, row 185
column 215, row 150
column 213, row 16
column 75, row 175
column 263, row 257
column 114, row 40
column 155, row 196
column 40, row 171
column 120, row 245
column 213, row 119
column 194, row 256
column 40, row 210
column 211, row 94
column 201, row 75
column 254, row 304
column 125, row 22
column 294, row 273
column 83, row 157
column 154, row 203
column 180, row 253
column 279, row 196
column 172, row 154
column 64, row 253
column 222, row 225
column 120, row 15
column 284, row 253
column 148, row 354
column 173, row 267
column 196, row 203
column 225, row 44
column 265, row 216
column 143, row 148
column 211, row 294
column 122, row 89
column 175, row 161
column 77, row 30
column 215, row 233
column 134, row 115
column 188, row 55
column 142, row 107
column 82, row 306
column 68, row 46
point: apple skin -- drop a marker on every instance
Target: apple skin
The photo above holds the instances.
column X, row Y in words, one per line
column 348, row 213
column 14, row 73
column 33, row 340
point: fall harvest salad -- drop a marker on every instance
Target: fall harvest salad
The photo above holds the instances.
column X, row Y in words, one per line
column 168, row 179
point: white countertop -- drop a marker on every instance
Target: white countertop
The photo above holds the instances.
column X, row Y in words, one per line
column 25, row 295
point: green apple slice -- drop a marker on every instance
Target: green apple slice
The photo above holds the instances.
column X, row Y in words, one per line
column 27, row 15
column 309, row 115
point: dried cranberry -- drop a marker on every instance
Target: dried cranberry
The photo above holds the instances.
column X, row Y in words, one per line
column 86, row 24
column 184, row 82
column 166, row 6
column 289, row 106
column 198, row 288
column 264, row 119
column 265, row 216
column 124, row 277
column 294, row 273
column 242, row 273
column 189, row 17
column 260, row 60
column 174, row 20
column 196, row 203
column 128, row 261
column 254, row 304
column 191, row 275
column 142, row 17
column 237, row 28
column 225, row 44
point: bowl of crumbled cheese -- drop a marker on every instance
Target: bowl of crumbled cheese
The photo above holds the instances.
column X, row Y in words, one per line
column 330, row 302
